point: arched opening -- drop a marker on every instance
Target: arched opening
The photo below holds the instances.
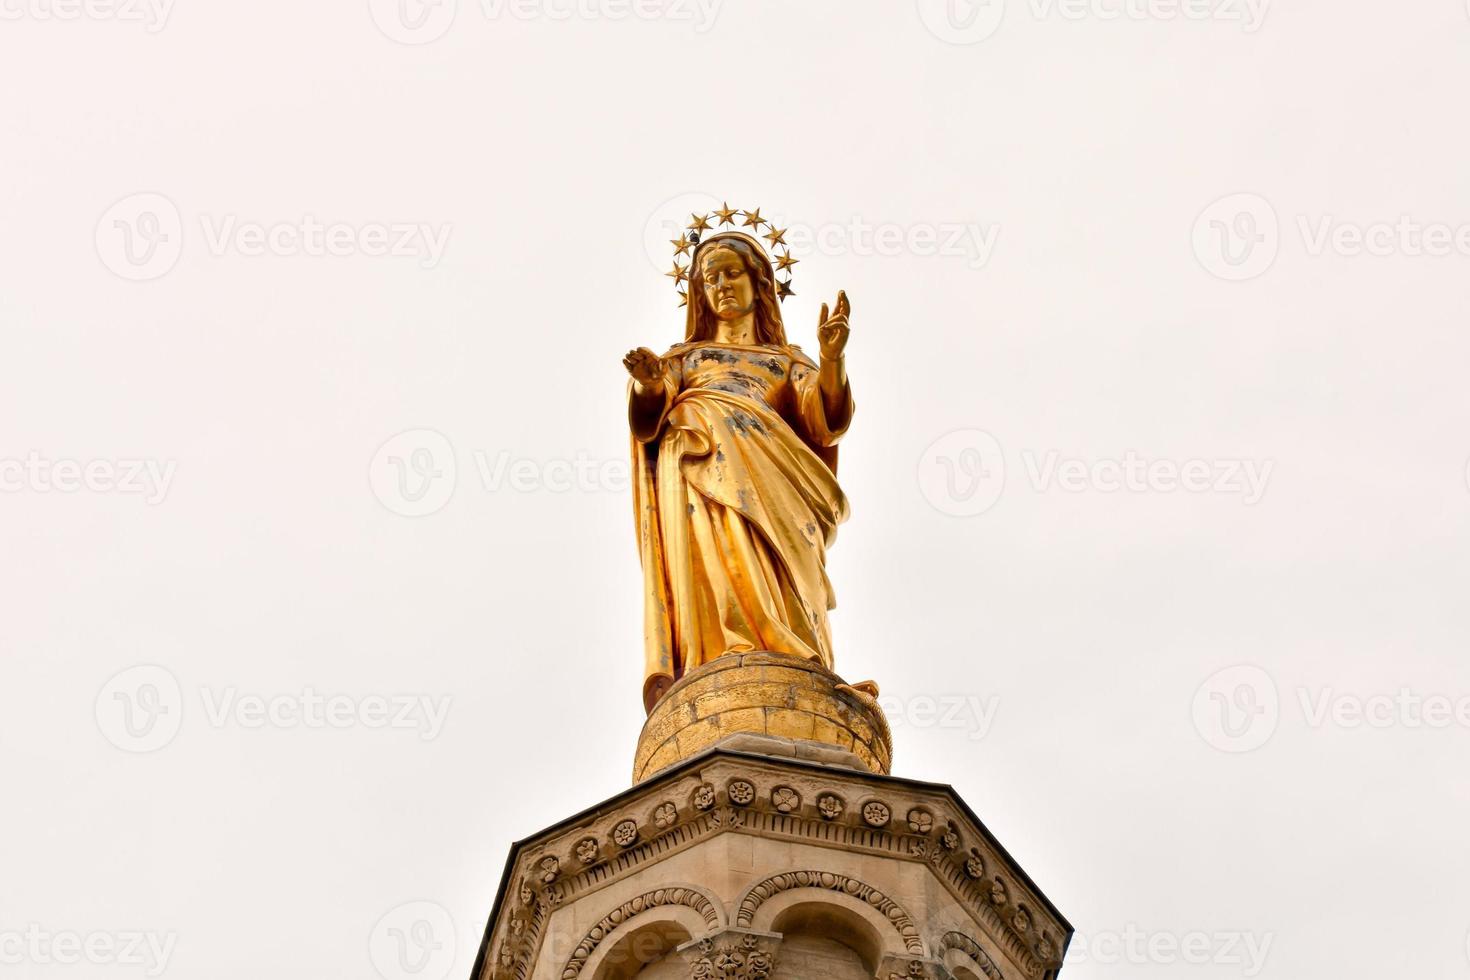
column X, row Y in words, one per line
column 644, row 953
column 822, row 939
column 963, row 967
column 967, row 960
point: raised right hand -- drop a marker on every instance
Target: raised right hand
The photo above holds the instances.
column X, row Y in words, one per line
column 645, row 367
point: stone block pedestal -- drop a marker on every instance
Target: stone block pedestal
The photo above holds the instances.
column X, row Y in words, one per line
column 809, row 711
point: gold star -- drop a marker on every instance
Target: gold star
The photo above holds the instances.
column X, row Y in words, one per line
column 681, row 244
column 678, row 273
column 699, row 222
column 783, row 289
column 776, row 236
column 727, row 214
column 754, row 218
column 785, row 261
column 683, row 299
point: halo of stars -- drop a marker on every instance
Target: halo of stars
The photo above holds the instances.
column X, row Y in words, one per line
column 686, row 243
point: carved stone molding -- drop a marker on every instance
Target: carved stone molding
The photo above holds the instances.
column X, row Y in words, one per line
column 688, row 897
column 811, row 805
column 968, row 946
column 911, row 968
column 757, row 895
column 732, row 954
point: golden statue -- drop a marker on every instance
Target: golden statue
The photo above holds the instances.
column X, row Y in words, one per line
column 734, row 446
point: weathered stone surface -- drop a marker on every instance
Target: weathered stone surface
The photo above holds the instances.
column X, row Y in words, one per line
column 761, row 694
column 784, row 868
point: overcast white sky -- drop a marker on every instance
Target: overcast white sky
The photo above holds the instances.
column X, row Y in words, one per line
column 1158, row 475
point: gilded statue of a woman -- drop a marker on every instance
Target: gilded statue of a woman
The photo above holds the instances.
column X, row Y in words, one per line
column 734, row 444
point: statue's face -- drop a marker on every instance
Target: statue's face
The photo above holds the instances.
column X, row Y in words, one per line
column 728, row 288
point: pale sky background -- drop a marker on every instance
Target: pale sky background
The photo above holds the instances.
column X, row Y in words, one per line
column 1056, row 655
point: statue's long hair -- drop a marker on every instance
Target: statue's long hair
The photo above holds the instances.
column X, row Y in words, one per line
column 700, row 322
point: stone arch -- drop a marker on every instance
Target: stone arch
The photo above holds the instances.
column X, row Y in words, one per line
column 836, row 918
column 662, row 912
column 865, row 896
column 964, row 946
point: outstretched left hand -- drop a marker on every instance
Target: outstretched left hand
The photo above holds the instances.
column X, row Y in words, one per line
column 832, row 330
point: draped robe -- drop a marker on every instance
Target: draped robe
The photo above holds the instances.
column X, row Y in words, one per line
column 736, row 500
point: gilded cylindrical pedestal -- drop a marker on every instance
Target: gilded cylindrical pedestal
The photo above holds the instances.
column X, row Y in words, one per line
column 790, row 699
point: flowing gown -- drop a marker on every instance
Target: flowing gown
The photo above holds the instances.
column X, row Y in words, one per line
column 736, row 500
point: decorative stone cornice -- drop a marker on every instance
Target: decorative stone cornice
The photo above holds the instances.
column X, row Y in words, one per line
column 887, row 907
column 844, row 810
